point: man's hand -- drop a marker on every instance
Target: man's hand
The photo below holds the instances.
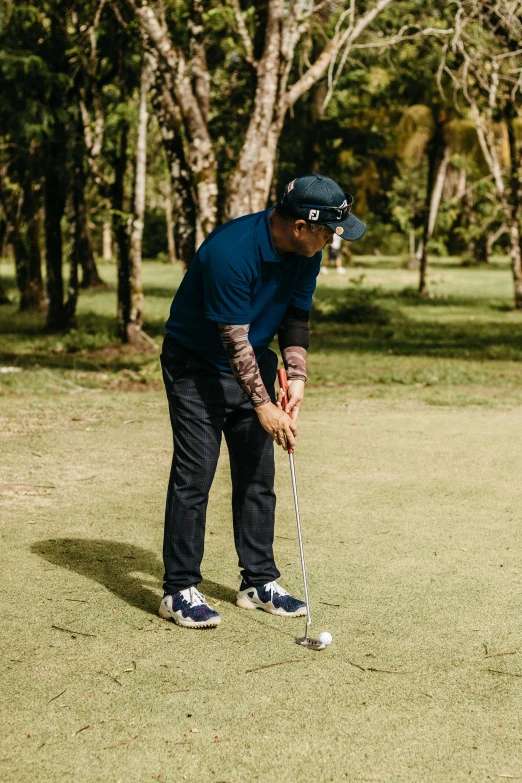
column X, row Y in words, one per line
column 279, row 424
column 295, row 398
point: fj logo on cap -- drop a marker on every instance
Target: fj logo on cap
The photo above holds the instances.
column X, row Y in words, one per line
column 313, row 214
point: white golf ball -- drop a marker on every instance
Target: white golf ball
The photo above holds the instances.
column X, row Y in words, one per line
column 325, row 637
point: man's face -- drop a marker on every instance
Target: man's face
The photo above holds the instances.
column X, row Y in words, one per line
column 309, row 241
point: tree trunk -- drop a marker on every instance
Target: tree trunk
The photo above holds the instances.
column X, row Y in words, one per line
column 200, row 153
column 515, row 149
column 492, row 238
column 511, row 208
column 248, row 188
column 478, row 239
column 82, row 233
column 107, row 240
column 81, row 248
column 170, row 224
column 516, row 261
column 413, row 259
column 72, row 288
column 183, row 196
column 54, row 196
column 90, row 275
column 135, row 306
column 27, row 252
column 437, row 167
column 4, row 299
column 121, row 232
column 478, row 248
column 4, row 235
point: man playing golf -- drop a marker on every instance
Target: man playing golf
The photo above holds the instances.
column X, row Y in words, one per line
column 251, row 278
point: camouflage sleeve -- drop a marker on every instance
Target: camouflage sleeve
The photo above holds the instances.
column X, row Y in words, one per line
column 243, row 362
column 294, row 358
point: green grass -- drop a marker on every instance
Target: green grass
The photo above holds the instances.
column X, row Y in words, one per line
column 462, row 347
column 407, row 467
column 411, row 520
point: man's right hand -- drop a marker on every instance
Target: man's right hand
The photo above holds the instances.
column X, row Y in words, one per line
column 281, row 427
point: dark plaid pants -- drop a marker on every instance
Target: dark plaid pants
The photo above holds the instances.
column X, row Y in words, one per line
column 203, row 404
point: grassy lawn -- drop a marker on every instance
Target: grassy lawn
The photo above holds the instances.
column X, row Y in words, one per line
column 407, row 466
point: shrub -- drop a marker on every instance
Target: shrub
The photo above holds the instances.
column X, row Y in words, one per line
column 353, row 305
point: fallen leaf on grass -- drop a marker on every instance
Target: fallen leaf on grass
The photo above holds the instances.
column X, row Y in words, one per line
column 268, row 665
column 497, row 655
column 112, row 678
column 24, row 489
column 122, row 742
column 372, row 669
column 68, row 630
column 80, row 730
column 57, row 697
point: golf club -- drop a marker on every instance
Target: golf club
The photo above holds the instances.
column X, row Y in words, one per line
column 306, row 640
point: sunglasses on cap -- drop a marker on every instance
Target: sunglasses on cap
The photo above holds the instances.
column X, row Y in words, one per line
column 333, row 213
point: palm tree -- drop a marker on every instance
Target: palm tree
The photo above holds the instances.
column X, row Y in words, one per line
column 433, row 134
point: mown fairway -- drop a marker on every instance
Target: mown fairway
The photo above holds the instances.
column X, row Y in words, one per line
column 408, row 470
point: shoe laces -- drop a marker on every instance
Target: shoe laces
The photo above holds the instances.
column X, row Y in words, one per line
column 273, row 587
column 193, row 596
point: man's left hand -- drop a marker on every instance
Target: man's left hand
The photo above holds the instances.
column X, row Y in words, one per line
column 295, row 398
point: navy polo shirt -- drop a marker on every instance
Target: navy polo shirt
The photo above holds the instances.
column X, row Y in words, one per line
column 236, row 277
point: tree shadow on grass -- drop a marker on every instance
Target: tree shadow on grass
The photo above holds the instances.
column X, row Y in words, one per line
column 130, row 572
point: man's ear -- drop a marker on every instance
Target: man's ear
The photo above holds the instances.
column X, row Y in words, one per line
column 299, row 226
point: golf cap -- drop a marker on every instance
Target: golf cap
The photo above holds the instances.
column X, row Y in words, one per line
column 320, row 200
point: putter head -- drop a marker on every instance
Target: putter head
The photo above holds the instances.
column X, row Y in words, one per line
column 312, row 644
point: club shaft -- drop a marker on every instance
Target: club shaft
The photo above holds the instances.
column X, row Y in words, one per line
column 300, row 536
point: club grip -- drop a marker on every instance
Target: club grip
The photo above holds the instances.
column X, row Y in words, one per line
column 283, row 384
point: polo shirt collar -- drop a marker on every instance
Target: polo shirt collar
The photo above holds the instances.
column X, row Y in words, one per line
column 264, row 238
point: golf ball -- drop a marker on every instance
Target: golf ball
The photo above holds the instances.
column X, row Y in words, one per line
column 325, row 637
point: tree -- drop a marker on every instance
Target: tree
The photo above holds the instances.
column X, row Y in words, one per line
column 130, row 289
column 271, row 74
column 39, row 113
column 22, row 121
column 481, row 62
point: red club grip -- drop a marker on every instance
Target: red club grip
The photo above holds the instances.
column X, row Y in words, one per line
column 283, row 384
